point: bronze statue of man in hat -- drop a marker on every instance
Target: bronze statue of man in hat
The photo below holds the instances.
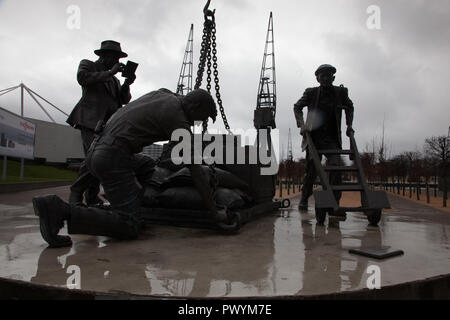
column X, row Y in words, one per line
column 325, row 104
column 102, row 96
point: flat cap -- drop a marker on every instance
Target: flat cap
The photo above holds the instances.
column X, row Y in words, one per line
column 324, row 67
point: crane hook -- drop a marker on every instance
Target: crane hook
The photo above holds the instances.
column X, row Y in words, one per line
column 207, row 12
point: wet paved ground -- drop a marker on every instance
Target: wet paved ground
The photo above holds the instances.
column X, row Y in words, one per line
column 282, row 254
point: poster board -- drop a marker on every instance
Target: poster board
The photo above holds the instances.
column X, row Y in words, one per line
column 17, row 136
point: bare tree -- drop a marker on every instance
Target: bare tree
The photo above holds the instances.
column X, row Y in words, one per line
column 438, row 148
column 281, row 175
column 413, row 164
column 428, row 164
column 400, row 170
column 368, row 164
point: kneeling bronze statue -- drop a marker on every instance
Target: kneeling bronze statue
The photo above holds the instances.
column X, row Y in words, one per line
column 113, row 161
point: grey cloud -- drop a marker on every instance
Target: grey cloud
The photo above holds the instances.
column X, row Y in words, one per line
column 398, row 72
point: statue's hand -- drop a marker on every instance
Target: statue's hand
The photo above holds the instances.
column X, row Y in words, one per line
column 130, row 79
column 303, row 130
column 349, row 131
column 116, row 68
column 220, row 215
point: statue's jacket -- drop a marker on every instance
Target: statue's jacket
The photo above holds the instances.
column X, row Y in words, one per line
column 311, row 99
column 102, row 95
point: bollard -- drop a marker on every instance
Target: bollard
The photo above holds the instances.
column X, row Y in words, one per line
column 281, row 188
column 418, row 191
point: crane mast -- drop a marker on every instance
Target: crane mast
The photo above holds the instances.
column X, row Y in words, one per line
column 266, row 101
column 184, row 85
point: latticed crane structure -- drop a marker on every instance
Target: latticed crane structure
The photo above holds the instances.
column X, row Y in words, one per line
column 184, row 85
column 266, row 101
column 290, row 155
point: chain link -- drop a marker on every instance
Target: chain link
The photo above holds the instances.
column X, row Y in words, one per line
column 216, row 80
column 206, row 38
column 208, row 72
column 208, row 42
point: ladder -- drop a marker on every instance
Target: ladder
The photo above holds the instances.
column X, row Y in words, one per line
column 372, row 202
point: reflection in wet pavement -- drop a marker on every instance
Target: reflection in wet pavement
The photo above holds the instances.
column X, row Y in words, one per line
column 282, row 254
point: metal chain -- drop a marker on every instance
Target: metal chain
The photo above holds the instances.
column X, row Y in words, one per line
column 208, row 40
column 208, row 81
column 206, row 43
column 216, row 80
column 208, row 72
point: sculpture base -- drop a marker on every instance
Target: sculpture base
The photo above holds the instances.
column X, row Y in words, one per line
column 283, row 254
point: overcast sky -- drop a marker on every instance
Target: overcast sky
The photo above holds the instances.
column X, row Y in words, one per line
column 398, row 73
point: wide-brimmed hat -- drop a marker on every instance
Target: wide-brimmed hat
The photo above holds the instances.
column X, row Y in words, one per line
column 325, row 67
column 110, row 45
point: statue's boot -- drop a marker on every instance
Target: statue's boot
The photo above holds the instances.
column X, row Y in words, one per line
column 104, row 222
column 52, row 211
column 340, row 212
column 303, row 205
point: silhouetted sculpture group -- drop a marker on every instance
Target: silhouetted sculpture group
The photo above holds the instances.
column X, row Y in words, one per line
column 114, row 135
column 111, row 151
